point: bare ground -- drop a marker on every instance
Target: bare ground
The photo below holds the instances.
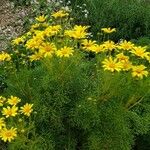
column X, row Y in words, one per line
column 11, row 21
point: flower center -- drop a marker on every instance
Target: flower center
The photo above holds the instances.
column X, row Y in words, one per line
column 27, row 110
column 64, row 52
column 139, row 71
column 9, row 112
column 112, row 65
column 8, row 134
column 48, row 49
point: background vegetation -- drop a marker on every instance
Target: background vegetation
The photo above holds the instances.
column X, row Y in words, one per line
column 130, row 17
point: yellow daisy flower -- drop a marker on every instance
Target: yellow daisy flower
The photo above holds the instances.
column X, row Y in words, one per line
column 41, row 18
column 108, row 30
column 126, row 65
column 97, row 48
column 10, row 111
column 65, row 52
column 4, row 56
column 18, row 41
column 140, row 51
column 60, row 14
column 47, row 49
column 139, row 71
column 35, row 42
column 13, row 100
column 125, row 45
column 109, row 45
column 112, row 65
column 87, row 44
column 8, row 134
column 27, row 109
column 122, row 58
column 52, row 30
column 78, row 32
column 34, row 26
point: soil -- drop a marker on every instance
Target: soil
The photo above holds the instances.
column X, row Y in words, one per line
column 11, row 21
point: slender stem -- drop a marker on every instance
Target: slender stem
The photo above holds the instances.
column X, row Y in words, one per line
column 136, row 103
column 20, row 87
column 98, row 76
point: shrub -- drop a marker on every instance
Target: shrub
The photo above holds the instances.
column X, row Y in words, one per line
column 131, row 17
column 80, row 102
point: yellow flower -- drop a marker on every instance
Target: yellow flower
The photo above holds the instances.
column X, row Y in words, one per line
column 47, row 49
column 140, row 51
column 65, row 52
column 28, row 34
column 26, row 109
column 139, row 71
column 13, row 100
column 10, row 111
column 52, row 30
column 109, row 45
column 60, row 14
column 35, row 42
column 87, row 44
column 125, row 45
column 39, row 35
column 35, row 56
column 18, row 41
column 38, row 25
column 31, row 44
column 41, row 18
column 78, row 32
column 34, row 26
column 8, row 134
column 108, row 30
column 4, row 56
column 2, row 100
column 111, row 65
column 126, row 65
column 97, row 48
column 80, row 28
column 2, row 123
column 122, row 58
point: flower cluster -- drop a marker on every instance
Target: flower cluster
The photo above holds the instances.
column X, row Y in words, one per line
column 120, row 55
column 11, row 112
column 60, row 39
column 125, row 52
column 38, row 41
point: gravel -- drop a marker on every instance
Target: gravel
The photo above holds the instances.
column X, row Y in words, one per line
column 11, row 22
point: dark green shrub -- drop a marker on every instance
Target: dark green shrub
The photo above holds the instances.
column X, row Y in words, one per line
column 70, row 117
column 144, row 41
column 130, row 17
